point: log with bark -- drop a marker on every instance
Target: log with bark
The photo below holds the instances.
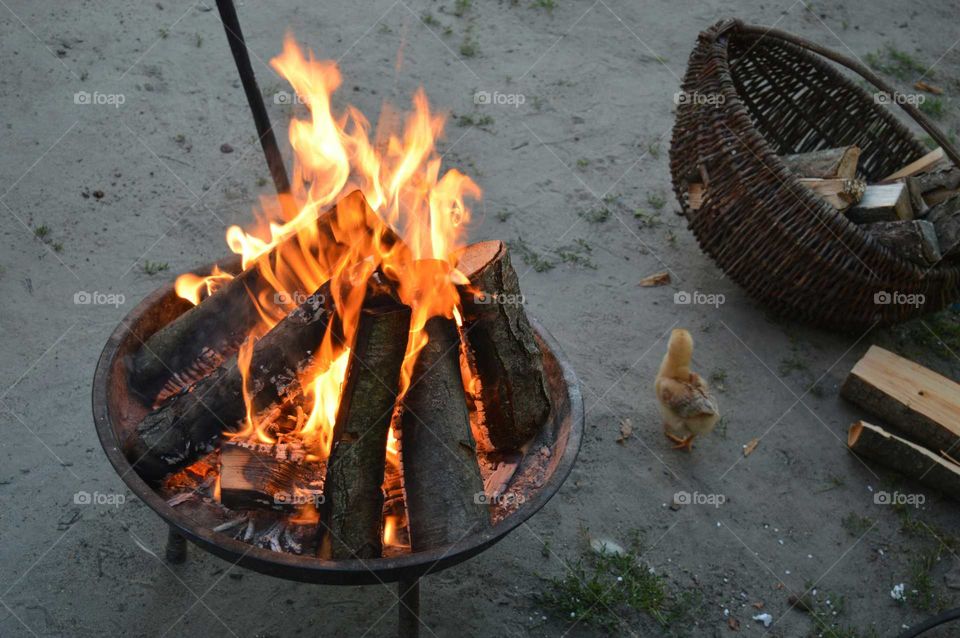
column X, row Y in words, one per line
column 918, row 402
column 442, row 483
column 173, row 435
column 909, row 459
column 269, row 476
column 914, row 240
column 882, row 203
column 826, row 163
column 221, row 322
column 508, row 361
column 354, row 496
column 937, row 186
column 945, row 218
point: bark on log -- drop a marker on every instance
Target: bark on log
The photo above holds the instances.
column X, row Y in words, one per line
column 909, row 459
column 509, row 362
column 442, row 484
column 171, row 436
column 825, row 163
column 945, row 218
column 354, row 496
column 224, row 319
column 263, row 476
column 882, row 203
column 920, row 403
column 915, row 240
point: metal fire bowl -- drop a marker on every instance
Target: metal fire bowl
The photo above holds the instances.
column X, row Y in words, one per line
column 116, row 411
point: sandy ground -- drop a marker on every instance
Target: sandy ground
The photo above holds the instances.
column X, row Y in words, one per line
column 597, row 82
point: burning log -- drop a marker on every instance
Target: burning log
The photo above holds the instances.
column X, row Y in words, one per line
column 268, row 476
column 909, row 459
column 171, row 436
column 353, row 494
column 441, row 477
column 826, row 163
column 224, row 319
column 509, row 362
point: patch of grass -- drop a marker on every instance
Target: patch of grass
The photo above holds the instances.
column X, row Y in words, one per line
column 429, row 20
column 529, row 256
column 654, row 150
column 939, row 333
column 460, row 7
column 198, row 40
column 923, row 594
column 855, row 524
column 549, row 5
column 384, row 28
column 474, row 120
column 671, row 237
column 792, row 363
column 605, row 590
column 647, row 219
column 576, row 254
column 447, row 31
column 583, row 162
column 154, row 267
column 469, row 47
column 656, row 200
column 934, row 107
column 262, row 181
column 833, row 483
column 42, row 231
column 503, row 215
column 164, row 33
column 57, row 247
column 899, row 64
column 596, row 215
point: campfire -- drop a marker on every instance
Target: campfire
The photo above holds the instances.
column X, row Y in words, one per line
column 364, row 383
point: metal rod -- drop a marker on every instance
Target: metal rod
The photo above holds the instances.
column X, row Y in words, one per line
column 409, row 625
column 231, row 24
column 176, row 547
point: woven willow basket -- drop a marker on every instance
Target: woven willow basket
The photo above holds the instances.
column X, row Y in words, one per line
column 755, row 93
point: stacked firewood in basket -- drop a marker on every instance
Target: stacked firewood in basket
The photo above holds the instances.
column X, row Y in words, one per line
column 915, row 211
column 477, row 385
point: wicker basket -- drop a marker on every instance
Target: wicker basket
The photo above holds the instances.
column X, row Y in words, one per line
column 757, row 93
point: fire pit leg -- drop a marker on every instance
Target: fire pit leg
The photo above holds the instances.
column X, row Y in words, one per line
column 176, row 547
column 409, row 590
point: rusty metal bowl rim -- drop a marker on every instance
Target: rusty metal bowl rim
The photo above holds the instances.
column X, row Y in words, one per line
column 309, row 568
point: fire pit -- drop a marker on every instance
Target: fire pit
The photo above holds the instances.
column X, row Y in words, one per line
column 116, row 410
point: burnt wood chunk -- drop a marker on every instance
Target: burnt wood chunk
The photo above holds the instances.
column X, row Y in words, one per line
column 268, row 476
column 224, row 319
column 175, row 433
column 826, row 163
column 508, row 360
column 945, row 218
column 442, row 483
column 354, row 495
column 914, row 240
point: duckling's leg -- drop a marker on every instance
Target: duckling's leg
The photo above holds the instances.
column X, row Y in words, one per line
column 673, row 437
column 684, row 444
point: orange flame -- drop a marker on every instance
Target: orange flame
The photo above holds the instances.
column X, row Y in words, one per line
column 399, row 174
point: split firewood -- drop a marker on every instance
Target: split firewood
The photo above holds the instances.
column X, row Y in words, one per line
column 442, row 484
column 882, row 203
column 826, row 163
column 914, row 240
column 920, row 403
column 656, row 279
column 937, row 186
column 224, row 319
column 269, row 476
column 695, row 194
column 945, row 217
column 353, row 497
column 909, row 459
column 922, row 165
column 173, row 435
column 918, row 204
column 921, row 85
column 838, row 192
column 508, row 360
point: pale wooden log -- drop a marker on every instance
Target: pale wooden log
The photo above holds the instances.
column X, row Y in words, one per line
column 923, row 405
column 924, row 164
column 945, row 218
column 904, row 457
column 914, row 240
column 826, row 163
column 354, row 498
column 695, row 195
column 442, row 484
column 508, row 360
column 838, row 192
column 882, row 203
